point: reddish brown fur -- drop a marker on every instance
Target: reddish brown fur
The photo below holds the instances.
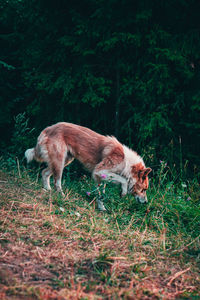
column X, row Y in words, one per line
column 142, row 181
column 86, row 145
column 115, row 157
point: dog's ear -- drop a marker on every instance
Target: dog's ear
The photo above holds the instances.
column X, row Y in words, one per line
column 144, row 173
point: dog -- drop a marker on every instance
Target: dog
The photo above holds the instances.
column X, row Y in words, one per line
column 104, row 156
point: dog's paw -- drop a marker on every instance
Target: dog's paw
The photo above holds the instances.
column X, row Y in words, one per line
column 123, row 195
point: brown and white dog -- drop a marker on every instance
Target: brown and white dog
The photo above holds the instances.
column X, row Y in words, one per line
column 104, row 156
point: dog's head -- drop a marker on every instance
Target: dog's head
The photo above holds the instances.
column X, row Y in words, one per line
column 141, row 182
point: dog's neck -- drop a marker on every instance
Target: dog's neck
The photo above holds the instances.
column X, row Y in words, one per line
column 131, row 159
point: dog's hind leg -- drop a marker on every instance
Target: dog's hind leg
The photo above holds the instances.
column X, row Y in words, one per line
column 46, row 174
column 57, row 170
column 57, row 165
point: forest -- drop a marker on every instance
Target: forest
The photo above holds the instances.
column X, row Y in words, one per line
column 125, row 68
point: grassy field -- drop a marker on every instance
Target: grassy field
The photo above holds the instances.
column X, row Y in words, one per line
column 64, row 248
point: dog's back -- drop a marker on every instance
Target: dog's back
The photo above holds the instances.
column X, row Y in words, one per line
column 59, row 140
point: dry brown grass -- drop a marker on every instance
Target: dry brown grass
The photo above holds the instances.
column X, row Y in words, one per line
column 66, row 256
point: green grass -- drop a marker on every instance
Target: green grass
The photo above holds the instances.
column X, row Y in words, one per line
column 64, row 248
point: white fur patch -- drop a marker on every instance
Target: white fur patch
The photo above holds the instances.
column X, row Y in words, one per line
column 29, row 154
column 131, row 157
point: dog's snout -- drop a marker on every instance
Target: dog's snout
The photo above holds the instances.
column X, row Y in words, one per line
column 142, row 200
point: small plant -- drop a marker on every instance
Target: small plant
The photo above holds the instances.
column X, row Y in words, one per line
column 20, row 141
column 98, row 191
column 21, row 135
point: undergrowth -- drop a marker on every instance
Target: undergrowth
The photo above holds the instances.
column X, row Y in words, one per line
column 55, row 247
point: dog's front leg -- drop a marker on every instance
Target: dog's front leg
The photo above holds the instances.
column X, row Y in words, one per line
column 115, row 178
column 124, row 187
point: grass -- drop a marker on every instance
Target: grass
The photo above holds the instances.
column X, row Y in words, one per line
column 64, row 248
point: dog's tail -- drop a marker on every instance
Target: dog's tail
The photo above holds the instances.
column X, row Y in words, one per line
column 30, row 154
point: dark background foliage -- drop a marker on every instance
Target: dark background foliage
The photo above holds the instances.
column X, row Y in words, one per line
column 121, row 67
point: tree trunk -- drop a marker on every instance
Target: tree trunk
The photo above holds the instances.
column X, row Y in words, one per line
column 117, row 103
